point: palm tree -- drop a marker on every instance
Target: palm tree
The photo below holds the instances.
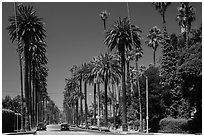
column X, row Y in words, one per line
column 107, row 68
column 37, row 53
column 185, row 17
column 94, row 80
column 30, row 27
column 161, row 7
column 119, row 37
column 20, row 65
column 71, row 95
column 78, row 75
column 85, row 76
column 154, row 39
column 41, row 83
column 104, row 16
column 97, row 79
column 77, row 92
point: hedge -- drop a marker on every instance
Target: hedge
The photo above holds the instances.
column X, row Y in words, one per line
column 172, row 125
column 7, row 121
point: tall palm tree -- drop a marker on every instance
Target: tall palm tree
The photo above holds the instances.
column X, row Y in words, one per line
column 119, row 37
column 37, row 52
column 30, row 27
column 72, row 94
column 185, row 17
column 161, row 7
column 20, row 65
column 104, row 16
column 107, row 68
column 97, row 78
column 41, row 84
column 94, row 80
column 78, row 75
column 154, row 40
column 85, row 76
column 76, row 101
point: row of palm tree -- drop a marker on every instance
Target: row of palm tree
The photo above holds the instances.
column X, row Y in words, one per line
column 124, row 38
column 27, row 28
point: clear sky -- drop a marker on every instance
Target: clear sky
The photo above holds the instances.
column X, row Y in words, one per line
column 75, row 34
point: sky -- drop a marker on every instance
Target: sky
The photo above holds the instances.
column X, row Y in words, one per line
column 75, row 34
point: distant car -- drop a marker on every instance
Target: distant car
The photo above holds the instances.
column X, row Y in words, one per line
column 93, row 127
column 41, row 126
column 64, row 126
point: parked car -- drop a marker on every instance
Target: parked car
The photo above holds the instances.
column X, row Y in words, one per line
column 41, row 126
column 93, row 127
column 83, row 125
column 64, row 126
column 106, row 129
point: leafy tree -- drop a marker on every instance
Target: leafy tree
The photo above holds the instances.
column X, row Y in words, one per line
column 17, row 104
column 154, row 96
column 7, row 103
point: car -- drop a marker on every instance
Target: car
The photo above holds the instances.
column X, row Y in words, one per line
column 64, row 126
column 93, row 127
column 41, row 126
column 103, row 128
column 83, row 125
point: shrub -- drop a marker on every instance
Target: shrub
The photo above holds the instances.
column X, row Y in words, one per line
column 7, row 121
column 171, row 125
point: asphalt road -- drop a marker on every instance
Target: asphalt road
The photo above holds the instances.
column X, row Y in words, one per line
column 55, row 130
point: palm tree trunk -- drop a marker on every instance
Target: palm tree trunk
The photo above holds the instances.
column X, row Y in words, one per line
column 128, row 82
column 106, row 101
column 34, row 90
column 99, row 114
column 94, row 103
column 86, row 108
column 138, row 88
column 77, row 117
column 81, row 104
column 114, row 105
column 26, row 85
column 124, row 110
column 104, row 25
column 30, row 94
column 36, row 99
column 154, row 52
column 20, row 67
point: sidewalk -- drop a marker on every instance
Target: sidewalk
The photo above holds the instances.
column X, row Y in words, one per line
column 33, row 131
column 128, row 132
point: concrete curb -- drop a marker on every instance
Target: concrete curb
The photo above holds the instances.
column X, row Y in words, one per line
column 97, row 131
column 114, row 132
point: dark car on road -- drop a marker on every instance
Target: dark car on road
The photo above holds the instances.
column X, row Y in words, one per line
column 41, row 126
column 64, row 126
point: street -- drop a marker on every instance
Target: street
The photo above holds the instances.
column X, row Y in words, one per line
column 55, row 130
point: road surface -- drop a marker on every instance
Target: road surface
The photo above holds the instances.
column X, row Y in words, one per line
column 55, row 130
